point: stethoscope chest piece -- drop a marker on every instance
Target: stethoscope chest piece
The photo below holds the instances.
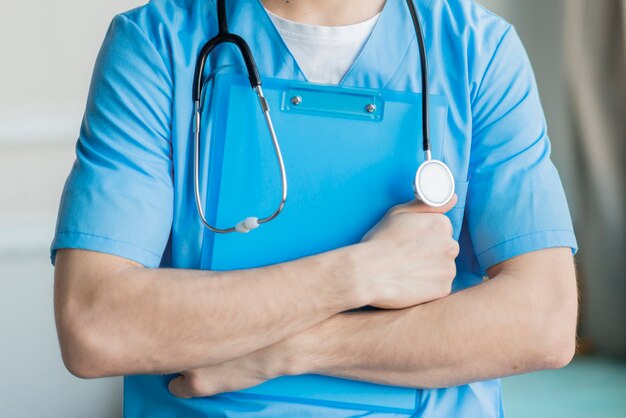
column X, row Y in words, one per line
column 434, row 183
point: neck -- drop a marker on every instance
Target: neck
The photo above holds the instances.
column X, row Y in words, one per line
column 325, row 12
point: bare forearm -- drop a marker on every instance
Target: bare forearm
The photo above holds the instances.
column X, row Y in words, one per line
column 505, row 326
column 139, row 320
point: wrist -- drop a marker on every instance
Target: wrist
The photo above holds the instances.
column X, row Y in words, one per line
column 336, row 277
column 355, row 275
column 302, row 353
column 348, row 277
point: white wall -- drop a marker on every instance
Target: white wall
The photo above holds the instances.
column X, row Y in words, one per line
column 47, row 50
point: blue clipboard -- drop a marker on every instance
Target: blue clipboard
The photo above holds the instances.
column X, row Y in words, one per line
column 345, row 168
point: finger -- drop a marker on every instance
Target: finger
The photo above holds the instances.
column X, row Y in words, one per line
column 179, row 387
column 416, row 206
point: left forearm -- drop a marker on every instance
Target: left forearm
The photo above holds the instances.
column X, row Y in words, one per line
column 498, row 328
column 522, row 320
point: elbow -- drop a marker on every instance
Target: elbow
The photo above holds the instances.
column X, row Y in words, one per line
column 88, row 350
column 78, row 361
column 542, row 347
column 82, row 354
column 91, row 327
column 557, row 352
column 555, row 317
column 546, row 312
column 554, row 339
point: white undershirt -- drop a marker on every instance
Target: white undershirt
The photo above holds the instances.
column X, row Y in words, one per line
column 324, row 53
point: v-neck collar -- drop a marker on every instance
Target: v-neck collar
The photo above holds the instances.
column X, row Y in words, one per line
column 379, row 60
column 386, row 48
column 248, row 19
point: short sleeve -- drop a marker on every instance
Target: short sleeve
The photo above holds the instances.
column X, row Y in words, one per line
column 515, row 203
column 118, row 198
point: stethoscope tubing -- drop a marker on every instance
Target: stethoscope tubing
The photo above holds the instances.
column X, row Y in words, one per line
column 224, row 36
column 421, row 43
column 242, row 226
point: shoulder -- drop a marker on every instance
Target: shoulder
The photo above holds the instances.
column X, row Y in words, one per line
column 473, row 35
column 169, row 26
column 469, row 19
column 160, row 14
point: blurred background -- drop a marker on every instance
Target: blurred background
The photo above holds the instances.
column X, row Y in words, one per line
column 47, row 51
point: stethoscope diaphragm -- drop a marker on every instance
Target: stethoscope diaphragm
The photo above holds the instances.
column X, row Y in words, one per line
column 434, row 183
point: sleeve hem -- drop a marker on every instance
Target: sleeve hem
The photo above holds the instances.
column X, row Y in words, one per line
column 85, row 241
column 527, row 243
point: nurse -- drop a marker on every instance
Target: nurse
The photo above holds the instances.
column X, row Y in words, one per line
column 131, row 300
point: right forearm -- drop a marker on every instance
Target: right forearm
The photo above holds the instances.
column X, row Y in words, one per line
column 116, row 317
column 138, row 320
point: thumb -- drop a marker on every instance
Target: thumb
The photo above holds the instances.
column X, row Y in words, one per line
column 179, row 387
column 417, row 206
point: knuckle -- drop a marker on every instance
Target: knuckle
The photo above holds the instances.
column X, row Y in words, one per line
column 440, row 223
column 453, row 249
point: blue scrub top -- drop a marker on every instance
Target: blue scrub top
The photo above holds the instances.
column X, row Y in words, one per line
column 130, row 191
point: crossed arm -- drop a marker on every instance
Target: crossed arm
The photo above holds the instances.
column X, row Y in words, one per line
column 521, row 320
column 231, row 330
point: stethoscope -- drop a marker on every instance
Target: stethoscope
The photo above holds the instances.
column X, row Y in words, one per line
column 433, row 183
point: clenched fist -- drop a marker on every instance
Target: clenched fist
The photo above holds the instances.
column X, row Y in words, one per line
column 408, row 257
